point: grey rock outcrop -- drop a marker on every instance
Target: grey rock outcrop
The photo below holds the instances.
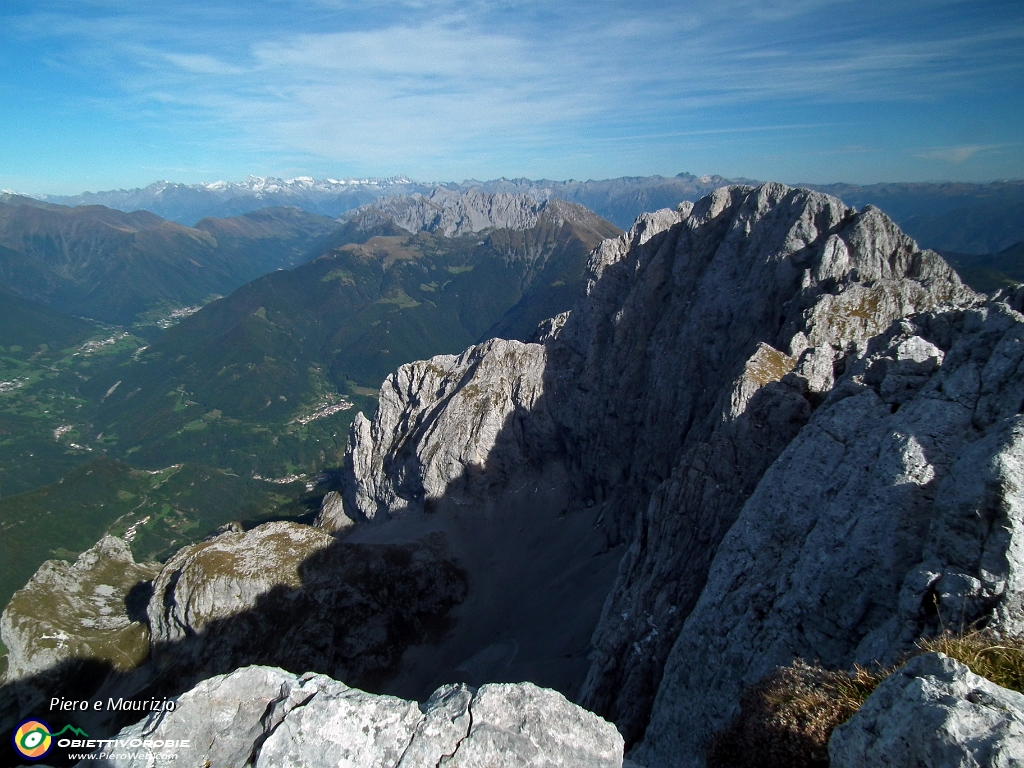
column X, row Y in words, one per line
column 227, row 574
column 332, row 515
column 465, row 421
column 294, row 596
column 705, row 340
column 262, row 716
column 77, row 611
column 897, row 508
column 452, row 213
column 933, row 713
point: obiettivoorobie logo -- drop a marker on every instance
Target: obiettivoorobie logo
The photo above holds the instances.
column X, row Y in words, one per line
column 32, row 739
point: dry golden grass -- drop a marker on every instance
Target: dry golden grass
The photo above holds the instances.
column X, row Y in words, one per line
column 787, row 718
column 1000, row 659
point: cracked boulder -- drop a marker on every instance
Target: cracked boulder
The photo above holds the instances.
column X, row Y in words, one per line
column 263, row 717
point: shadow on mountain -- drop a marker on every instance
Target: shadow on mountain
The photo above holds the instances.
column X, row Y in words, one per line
column 506, row 575
column 537, row 556
column 357, row 609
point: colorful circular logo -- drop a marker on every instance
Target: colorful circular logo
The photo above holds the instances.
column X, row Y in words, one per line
column 33, row 739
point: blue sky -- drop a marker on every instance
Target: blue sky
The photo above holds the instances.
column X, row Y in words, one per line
column 101, row 94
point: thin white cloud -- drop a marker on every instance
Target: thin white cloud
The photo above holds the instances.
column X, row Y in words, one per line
column 202, row 64
column 955, row 154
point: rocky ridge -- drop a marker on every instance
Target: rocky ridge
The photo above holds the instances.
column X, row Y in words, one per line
column 263, row 716
column 742, row 373
column 452, row 213
column 895, row 510
column 804, row 431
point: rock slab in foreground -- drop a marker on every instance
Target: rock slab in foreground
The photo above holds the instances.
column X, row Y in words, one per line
column 934, row 713
column 265, row 717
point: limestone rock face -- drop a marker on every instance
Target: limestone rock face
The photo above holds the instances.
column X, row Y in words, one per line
column 899, row 506
column 226, row 575
column 706, row 338
column 332, row 515
column 705, row 342
column 449, row 425
column 933, row 713
column 77, row 611
column 294, row 596
column 262, row 716
column 453, row 213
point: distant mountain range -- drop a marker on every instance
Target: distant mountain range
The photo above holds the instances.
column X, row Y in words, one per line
column 188, row 203
column 617, row 200
column 110, row 265
column 968, row 218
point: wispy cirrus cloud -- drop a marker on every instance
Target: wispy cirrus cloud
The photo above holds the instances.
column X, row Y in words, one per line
column 427, row 84
column 957, row 154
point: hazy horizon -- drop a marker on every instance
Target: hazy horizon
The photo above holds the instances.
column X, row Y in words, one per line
column 430, row 182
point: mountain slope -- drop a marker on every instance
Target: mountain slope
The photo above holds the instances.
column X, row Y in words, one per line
column 28, row 324
column 39, row 390
column 103, row 263
column 262, row 380
column 992, row 271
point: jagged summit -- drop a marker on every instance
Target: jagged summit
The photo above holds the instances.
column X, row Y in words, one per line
column 711, row 342
column 452, row 213
column 793, row 269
